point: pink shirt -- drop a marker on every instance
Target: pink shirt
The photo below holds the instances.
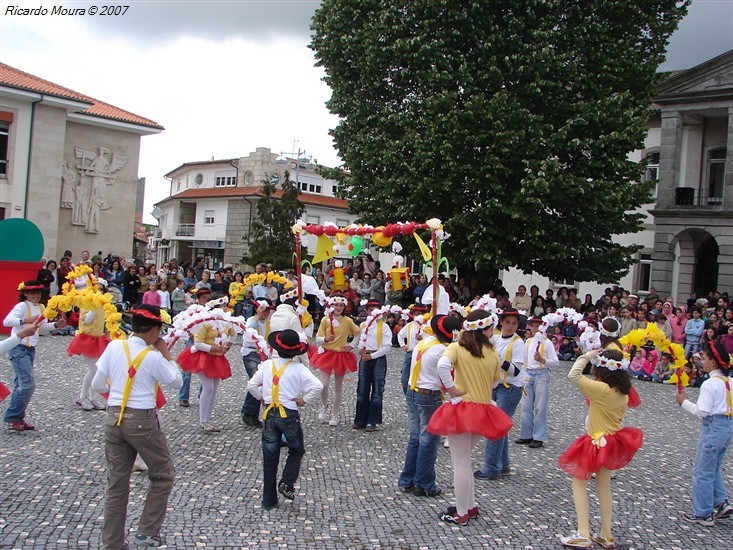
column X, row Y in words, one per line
column 151, row 297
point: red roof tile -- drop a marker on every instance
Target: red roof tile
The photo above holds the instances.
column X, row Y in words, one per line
column 217, row 192
column 15, row 78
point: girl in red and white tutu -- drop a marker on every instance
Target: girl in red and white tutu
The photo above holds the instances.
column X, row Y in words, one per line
column 470, row 414
column 335, row 356
column 206, row 357
column 605, row 447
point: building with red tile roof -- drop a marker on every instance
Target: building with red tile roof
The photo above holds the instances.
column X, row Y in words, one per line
column 212, row 204
column 68, row 163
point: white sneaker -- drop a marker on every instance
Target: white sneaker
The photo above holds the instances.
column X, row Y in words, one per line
column 98, row 403
column 446, row 443
column 334, row 420
column 85, row 404
column 576, row 540
column 323, row 413
column 209, row 427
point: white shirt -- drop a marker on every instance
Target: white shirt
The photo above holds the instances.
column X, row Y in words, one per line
column 548, row 353
column 407, row 336
column 20, row 312
column 154, row 369
column 518, row 358
column 9, row 343
column 296, row 380
column 248, row 345
column 712, row 398
column 165, row 299
column 369, row 340
column 427, row 378
column 443, row 299
column 285, row 317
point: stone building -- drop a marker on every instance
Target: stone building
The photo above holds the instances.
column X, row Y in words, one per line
column 212, row 204
column 693, row 216
column 69, row 163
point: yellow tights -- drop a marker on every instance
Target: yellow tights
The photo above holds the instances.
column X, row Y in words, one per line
column 580, row 497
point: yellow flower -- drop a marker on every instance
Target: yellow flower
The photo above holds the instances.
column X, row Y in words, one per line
column 21, row 286
column 165, row 317
column 598, row 440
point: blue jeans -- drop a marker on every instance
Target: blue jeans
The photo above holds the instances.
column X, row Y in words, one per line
column 251, row 405
column 369, row 391
column 708, row 489
column 422, row 448
column 184, row 392
column 496, row 454
column 534, row 405
column 24, row 383
column 272, row 432
column 405, row 377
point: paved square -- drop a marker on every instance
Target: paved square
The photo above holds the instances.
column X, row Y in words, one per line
column 52, row 481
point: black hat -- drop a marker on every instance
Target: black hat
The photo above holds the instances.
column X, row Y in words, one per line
column 149, row 313
column 202, row 291
column 287, row 343
column 373, row 303
column 443, row 327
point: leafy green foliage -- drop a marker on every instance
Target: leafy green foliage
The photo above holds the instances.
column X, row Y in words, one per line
column 271, row 237
column 511, row 120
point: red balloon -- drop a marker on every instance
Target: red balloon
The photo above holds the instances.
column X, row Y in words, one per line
column 317, row 230
column 408, row 228
column 390, row 230
column 331, row 230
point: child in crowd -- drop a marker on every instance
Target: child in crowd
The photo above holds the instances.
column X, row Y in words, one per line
column 165, row 297
column 284, row 384
column 567, row 350
column 151, row 297
column 727, row 340
column 178, row 297
column 662, row 370
column 715, row 407
column 700, row 374
column 693, row 333
column 605, row 447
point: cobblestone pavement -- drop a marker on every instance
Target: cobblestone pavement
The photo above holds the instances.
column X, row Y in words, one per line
column 52, row 481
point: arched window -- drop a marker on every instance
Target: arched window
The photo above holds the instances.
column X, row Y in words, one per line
column 716, row 175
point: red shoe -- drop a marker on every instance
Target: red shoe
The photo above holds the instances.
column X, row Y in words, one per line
column 472, row 513
column 16, row 426
column 28, row 426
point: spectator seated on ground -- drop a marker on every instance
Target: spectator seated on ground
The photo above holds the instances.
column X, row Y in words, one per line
column 567, row 350
column 642, row 366
column 662, row 370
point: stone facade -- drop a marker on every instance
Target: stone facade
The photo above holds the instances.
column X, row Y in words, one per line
column 693, row 218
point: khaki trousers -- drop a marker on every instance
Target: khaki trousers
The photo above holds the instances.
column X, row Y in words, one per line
column 138, row 433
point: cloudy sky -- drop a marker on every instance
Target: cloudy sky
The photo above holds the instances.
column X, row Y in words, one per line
column 227, row 77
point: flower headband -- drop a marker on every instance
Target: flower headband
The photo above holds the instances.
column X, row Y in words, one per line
column 609, row 333
column 289, row 295
column 610, row 364
column 481, row 324
column 335, row 300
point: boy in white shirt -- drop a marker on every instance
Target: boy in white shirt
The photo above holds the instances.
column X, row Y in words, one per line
column 284, row 384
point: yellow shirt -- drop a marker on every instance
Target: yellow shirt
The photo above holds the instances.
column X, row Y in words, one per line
column 207, row 335
column 474, row 375
column 96, row 327
column 346, row 327
column 607, row 405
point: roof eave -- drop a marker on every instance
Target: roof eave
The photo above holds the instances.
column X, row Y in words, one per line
column 94, row 120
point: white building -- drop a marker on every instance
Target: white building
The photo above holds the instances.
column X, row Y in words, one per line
column 212, row 204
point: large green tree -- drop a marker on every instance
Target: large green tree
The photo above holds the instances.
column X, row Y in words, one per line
column 511, row 120
column 271, row 237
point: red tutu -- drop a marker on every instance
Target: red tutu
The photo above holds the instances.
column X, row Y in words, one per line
column 4, row 391
column 213, row 366
column 87, row 345
column 583, row 458
column 467, row 417
column 335, row 362
column 312, row 353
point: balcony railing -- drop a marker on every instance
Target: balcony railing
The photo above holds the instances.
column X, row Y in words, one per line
column 185, row 230
column 689, row 196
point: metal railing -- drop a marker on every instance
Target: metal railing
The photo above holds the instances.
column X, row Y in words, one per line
column 689, row 196
column 185, row 230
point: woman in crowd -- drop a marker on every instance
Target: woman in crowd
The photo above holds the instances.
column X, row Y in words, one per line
column 130, row 285
column 47, row 277
column 114, row 274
